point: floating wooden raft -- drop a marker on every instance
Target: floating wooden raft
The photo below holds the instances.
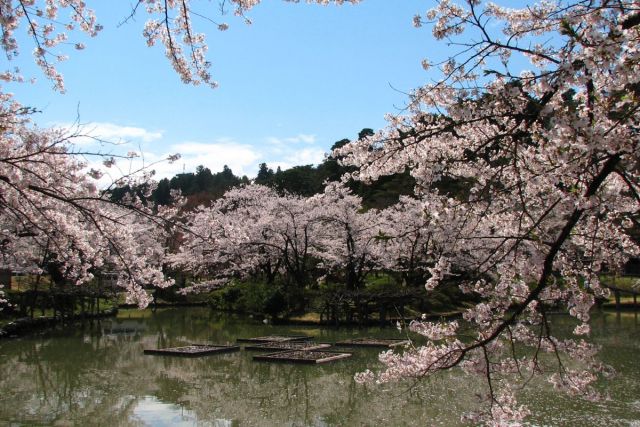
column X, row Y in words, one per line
column 274, row 338
column 372, row 342
column 287, row 345
column 302, row 356
column 193, row 350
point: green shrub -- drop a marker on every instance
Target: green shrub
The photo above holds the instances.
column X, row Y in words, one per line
column 250, row 297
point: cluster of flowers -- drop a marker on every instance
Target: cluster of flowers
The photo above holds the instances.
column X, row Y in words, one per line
column 254, row 230
column 552, row 155
column 52, row 213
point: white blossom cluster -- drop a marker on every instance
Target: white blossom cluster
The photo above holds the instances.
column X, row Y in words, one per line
column 52, row 24
column 552, row 157
column 51, row 213
column 48, row 23
column 253, row 230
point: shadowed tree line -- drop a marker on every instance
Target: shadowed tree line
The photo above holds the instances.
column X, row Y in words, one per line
column 203, row 186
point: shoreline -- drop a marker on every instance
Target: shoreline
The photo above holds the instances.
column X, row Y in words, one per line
column 26, row 325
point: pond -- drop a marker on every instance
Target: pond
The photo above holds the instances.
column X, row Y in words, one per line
column 97, row 374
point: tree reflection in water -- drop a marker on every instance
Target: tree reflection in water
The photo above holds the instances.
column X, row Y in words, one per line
column 98, row 375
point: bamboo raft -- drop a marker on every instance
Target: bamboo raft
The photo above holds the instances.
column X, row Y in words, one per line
column 193, row 350
column 274, row 338
column 287, row 345
column 302, row 356
column 373, row 342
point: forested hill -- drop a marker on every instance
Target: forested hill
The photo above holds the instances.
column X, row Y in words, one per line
column 204, row 186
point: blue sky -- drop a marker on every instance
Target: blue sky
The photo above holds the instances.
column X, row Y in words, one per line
column 291, row 84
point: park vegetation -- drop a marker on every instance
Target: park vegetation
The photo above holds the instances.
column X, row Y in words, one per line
column 544, row 158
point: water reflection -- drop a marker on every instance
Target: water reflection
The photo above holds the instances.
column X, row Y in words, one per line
column 151, row 411
column 98, row 375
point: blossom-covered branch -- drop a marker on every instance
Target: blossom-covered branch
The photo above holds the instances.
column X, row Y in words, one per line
column 552, row 157
column 53, row 216
column 52, row 24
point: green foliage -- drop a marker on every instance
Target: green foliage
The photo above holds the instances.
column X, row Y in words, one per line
column 251, row 297
column 203, row 186
column 202, row 182
column 385, row 191
column 265, row 175
column 628, row 283
column 301, row 180
column 307, row 180
column 381, row 283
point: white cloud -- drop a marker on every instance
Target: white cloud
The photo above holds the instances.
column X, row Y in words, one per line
column 307, row 139
column 111, row 131
column 94, row 132
column 306, row 156
column 272, row 140
column 241, row 158
column 300, row 138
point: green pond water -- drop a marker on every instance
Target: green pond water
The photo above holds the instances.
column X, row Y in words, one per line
column 97, row 375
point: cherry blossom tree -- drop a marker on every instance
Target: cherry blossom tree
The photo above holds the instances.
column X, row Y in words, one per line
column 409, row 239
column 250, row 231
column 46, row 184
column 347, row 237
column 223, row 240
column 52, row 212
column 48, row 31
column 53, row 216
column 552, row 154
